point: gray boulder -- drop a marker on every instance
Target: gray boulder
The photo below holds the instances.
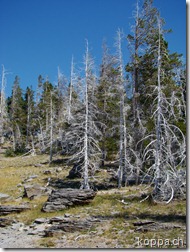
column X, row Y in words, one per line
column 4, row 197
column 8, row 209
column 64, row 198
column 33, row 191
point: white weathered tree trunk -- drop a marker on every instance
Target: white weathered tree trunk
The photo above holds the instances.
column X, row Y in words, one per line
column 51, row 129
column 28, row 120
column 2, row 105
column 41, row 137
column 167, row 143
column 86, row 161
column 71, row 90
column 158, row 121
column 82, row 134
column 122, row 126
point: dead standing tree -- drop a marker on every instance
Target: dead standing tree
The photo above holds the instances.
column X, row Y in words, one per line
column 82, row 135
column 3, row 110
column 122, row 124
column 138, row 42
column 168, row 145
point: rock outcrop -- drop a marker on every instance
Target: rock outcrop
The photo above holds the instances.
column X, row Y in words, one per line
column 4, row 197
column 64, row 198
column 33, row 191
column 60, row 225
column 8, row 209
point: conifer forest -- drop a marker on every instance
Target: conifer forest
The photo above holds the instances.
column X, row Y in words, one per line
column 125, row 120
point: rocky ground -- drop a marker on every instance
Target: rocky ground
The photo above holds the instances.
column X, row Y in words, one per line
column 17, row 236
column 92, row 229
column 112, row 219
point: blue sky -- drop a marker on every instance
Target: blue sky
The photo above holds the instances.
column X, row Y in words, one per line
column 37, row 36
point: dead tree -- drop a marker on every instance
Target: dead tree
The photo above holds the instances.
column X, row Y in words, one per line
column 82, row 135
column 3, row 110
column 167, row 146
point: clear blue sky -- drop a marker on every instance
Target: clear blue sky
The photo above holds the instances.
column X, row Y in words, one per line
column 37, row 36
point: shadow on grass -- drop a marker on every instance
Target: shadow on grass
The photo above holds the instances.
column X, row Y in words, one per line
column 60, row 183
column 153, row 217
column 59, row 161
column 164, row 217
column 75, row 184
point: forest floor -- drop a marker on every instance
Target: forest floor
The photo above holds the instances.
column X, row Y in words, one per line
column 125, row 219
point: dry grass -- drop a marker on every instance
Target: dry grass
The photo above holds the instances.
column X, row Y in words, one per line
column 14, row 171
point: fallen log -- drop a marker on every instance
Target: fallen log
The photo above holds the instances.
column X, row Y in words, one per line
column 64, row 198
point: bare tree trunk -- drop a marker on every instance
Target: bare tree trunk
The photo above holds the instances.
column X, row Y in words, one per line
column 86, row 161
column 121, row 145
column 51, row 130
column 158, row 122
column 28, row 121
column 2, row 105
column 122, row 127
column 41, row 138
column 70, row 91
column 125, row 149
column 33, row 146
column 14, row 140
column 82, row 134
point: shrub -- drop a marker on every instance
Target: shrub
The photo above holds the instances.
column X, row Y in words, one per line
column 10, row 152
column 19, row 150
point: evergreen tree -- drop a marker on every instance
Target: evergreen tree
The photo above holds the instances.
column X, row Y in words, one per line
column 43, row 114
column 108, row 106
column 143, row 72
column 17, row 116
column 142, row 32
column 30, row 112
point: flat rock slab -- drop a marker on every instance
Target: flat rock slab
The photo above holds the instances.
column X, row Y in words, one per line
column 64, row 198
column 152, row 226
column 49, row 227
column 33, row 191
column 57, row 225
column 4, row 197
column 8, row 209
column 67, row 226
